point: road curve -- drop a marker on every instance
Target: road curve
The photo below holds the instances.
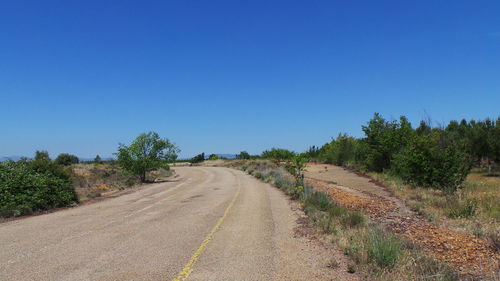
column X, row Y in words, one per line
column 208, row 224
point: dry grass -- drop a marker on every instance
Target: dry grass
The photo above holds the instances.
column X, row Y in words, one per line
column 95, row 180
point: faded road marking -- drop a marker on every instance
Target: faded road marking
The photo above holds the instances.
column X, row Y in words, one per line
column 186, row 271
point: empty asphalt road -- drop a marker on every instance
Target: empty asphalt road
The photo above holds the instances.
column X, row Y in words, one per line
column 208, row 223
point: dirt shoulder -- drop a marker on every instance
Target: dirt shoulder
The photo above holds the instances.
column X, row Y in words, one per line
column 467, row 253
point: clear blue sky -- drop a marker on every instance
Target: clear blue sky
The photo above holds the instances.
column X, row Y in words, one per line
column 226, row 76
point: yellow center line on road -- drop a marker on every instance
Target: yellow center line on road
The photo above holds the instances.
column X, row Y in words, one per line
column 188, row 268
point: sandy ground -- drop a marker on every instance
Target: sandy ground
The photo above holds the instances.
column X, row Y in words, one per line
column 151, row 234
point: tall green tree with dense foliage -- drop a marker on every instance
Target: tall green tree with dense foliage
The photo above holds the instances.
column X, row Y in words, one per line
column 42, row 155
column 243, row 155
column 495, row 141
column 313, row 153
column 384, row 139
column 480, row 139
column 98, row 159
column 340, row 151
column 66, row 159
column 427, row 161
column 198, row 158
column 146, row 153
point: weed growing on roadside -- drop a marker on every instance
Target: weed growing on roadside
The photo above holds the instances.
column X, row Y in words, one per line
column 353, row 219
column 383, row 249
column 333, row 264
column 351, row 268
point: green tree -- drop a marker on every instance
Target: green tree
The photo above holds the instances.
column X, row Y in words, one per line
column 146, row 153
column 428, row 162
column 278, row 154
column 340, row 151
column 243, row 155
column 42, row 155
column 213, row 157
column 198, row 158
column 66, row 159
column 384, row 139
column 98, row 159
column 296, row 167
column 495, row 141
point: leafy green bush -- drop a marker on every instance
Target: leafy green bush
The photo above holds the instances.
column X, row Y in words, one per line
column 340, row 151
column 383, row 249
column 243, row 155
column 66, row 159
column 383, row 140
column 198, row 158
column 42, row 155
column 213, row 157
column 427, row 162
column 278, row 154
column 31, row 186
column 296, row 168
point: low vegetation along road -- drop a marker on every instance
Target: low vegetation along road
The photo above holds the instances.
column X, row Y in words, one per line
column 205, row 224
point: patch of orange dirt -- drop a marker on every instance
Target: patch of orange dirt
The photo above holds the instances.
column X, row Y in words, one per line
column 101, row 187
column 467, row 253
column 376, row 207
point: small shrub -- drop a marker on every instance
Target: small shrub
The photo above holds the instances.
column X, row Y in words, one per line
column 333, row 264
column 383, row 249
column 337, row 211
column 351, row 268
column 494, row 239
column 310, row 210
column 320, row 200
column 327, row 224
column 353, row 251
column 282, row 183
column 418, row 208
column 432, row 269
column 431, row 217
column 353, row 219
column 94, row 194
column 66, row 159
column 462, row 209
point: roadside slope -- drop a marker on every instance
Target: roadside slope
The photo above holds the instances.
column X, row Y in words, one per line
column 467, row 253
